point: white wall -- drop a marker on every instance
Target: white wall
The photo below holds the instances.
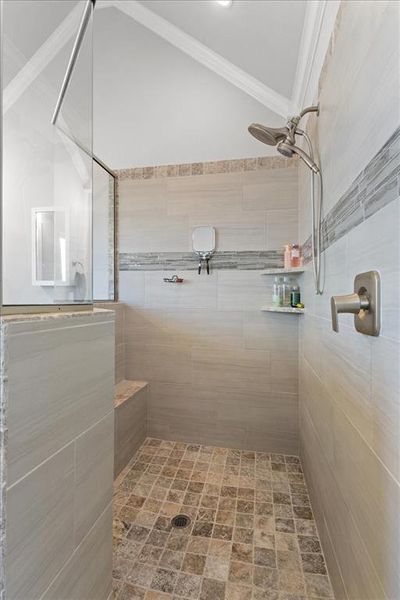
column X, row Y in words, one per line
column 155, row 105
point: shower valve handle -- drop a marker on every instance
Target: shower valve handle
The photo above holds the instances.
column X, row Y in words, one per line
column 351, row 303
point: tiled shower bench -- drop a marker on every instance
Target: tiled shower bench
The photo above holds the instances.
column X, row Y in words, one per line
column 130, row 406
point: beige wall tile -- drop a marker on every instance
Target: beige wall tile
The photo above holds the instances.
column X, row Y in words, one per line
column 153, row 362
column 281, row 228
column 61, row 381
column 233, row 369
column 131, row 288
column 88, row 574
column 385, row 394
column 40, row 526
column 148, row 326
column 272, row 190
column 348, row 83
column 154, row 232
column 199, row 327
column 204, row 346
column 43, row 415
column 375, row 244
column 195, row 291
column 192, row 413
column 243, row 290
column 204, row 200
column 284, row 374
column 277, row 333
column 204, row 195
column 119, row 362
column 235, row 229
column 130, row 428
column 119, row 312
column 349, row 390
column 141, row 197
column 94, row 463
column 356, row 568
column 349, row 354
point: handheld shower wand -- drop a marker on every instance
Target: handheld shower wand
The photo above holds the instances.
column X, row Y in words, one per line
column 284, row 140
column 289, row 149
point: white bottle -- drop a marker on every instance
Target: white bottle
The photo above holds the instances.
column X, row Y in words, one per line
column 286, row 285
column 276, row 293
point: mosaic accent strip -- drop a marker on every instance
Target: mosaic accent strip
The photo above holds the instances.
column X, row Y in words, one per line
column 376, row 186
column 187, row 261
column 206, row 168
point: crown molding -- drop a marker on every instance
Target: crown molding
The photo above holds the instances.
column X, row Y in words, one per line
column 317, row 29
column 318, row 25
column 202, row 54
column 42, row 57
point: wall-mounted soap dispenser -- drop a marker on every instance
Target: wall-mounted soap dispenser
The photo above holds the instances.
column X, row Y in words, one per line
column 203, row 239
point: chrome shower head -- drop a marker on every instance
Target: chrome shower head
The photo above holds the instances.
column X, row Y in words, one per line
column 284, row 137
column 268, row 135
column 288, row 149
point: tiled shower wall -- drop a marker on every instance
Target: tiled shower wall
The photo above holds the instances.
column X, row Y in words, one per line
column 349, row 383
column 220, row 371
column 119, row 310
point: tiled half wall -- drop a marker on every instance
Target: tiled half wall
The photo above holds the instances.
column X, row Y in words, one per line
column 57, row 390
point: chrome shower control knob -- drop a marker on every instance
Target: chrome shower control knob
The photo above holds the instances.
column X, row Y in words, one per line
column 364, row 303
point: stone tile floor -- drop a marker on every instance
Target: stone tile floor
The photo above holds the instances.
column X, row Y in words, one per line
column 252, row 534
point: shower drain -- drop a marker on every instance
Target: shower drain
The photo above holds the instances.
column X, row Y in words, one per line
column 180, row 521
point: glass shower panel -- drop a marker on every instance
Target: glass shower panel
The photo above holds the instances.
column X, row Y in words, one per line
column 47, row 168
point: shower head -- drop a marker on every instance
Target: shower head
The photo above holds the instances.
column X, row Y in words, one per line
column 268, row 135
column 288, row 149
column 284, row 137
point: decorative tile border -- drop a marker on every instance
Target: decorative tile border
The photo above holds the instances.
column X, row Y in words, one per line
column 377, row 185
column 187, row 261
column 207, row 168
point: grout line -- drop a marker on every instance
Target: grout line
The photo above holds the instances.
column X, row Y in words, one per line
column 239, row 467
column 391, row 475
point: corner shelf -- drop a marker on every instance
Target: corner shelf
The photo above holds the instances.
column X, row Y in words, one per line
column 282, row 271
column 283, row 309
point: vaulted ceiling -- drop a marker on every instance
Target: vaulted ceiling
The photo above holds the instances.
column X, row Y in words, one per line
column 180, row 80
column 261, row 38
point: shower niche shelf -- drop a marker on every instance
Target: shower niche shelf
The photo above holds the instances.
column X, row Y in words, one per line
column 283, row 271
column 283, row 309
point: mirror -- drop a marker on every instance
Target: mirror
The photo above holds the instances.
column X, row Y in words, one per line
column 49, row 246
column 203, row 239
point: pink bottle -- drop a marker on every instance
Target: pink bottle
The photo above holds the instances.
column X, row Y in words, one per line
column 287, row 257
column 295, row 256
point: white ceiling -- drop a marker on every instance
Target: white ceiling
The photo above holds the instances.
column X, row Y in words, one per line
column 262, row 38
column 175, row 81
column 20, row 28
column 153, row 104
column 180, row 81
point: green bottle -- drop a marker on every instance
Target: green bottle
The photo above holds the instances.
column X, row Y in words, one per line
column 295, row 296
